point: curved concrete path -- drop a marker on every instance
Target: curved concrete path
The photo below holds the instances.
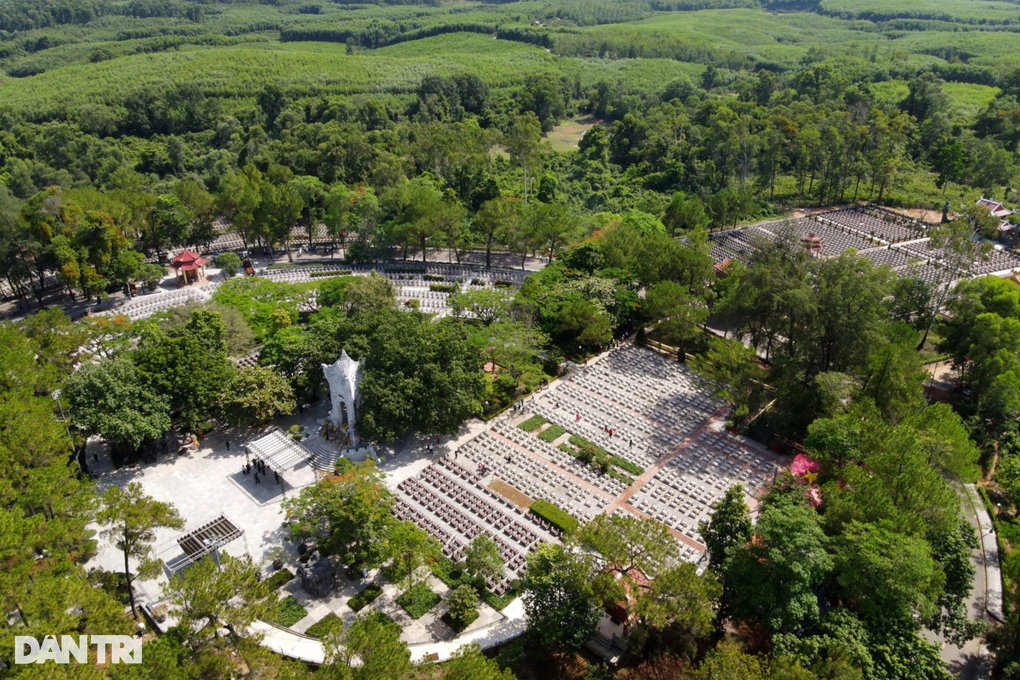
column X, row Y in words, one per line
column 990, row 555
column 310, row 650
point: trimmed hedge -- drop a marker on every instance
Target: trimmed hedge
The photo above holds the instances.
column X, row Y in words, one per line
column 277, row 580
column 326, row 625
column 503, row 284
column 551, row 433
column 288, row 611
column 419, row 600
column 365, row 597
column 444, row 287
column 434, row 277
column 339, row 272
column 556, row 516
column 533, row 423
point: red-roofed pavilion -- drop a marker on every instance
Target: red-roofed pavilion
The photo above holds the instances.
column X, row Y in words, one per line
column 190, row 267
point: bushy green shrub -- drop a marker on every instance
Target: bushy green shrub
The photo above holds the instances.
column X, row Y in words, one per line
column 228, row 262
column 279, row 579
column 463, row 603
column 288, row 611
column 625, row 464
column 365, row 597
column 419, row 600
column 619, row 476
column 499, row 602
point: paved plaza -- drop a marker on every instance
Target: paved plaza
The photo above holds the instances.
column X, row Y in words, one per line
column 207, row 482
column 665, row 427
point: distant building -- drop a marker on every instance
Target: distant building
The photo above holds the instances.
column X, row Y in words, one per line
column 997, row 209
column 618, row 618
column 1006, row 231
column 813, row 245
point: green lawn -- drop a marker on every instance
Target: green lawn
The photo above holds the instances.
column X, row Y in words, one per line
column 551, row 433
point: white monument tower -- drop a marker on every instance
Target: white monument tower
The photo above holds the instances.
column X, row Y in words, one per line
column 344, row 378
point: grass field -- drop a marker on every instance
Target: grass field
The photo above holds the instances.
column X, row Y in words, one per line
column 968, row 99
column 566, row 136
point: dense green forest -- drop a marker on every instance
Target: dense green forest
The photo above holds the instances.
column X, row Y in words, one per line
column 130, row 129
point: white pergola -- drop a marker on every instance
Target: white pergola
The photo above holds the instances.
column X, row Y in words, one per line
column 278, row 450
column 198, row 543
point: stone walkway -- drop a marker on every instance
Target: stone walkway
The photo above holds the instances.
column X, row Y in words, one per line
column 972, row 660
column 647, row 475
column 990, row 552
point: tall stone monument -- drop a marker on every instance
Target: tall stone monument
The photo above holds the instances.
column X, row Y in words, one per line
column 344, row 378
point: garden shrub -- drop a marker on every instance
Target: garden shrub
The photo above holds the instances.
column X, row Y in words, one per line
column 365, row 597
column 418, row 600
column 533, row 423
column 551, row 433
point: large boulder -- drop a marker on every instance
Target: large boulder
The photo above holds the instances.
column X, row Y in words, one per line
column 317, row 575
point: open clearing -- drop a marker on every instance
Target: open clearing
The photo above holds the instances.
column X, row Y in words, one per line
column 565, row 137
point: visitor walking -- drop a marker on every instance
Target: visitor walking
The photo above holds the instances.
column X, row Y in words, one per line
column 228, row 445
column 257, row 478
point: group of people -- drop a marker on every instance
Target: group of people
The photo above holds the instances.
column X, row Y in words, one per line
column 259, row 468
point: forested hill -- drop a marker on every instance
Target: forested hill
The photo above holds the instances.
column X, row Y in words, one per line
column 705, row 113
